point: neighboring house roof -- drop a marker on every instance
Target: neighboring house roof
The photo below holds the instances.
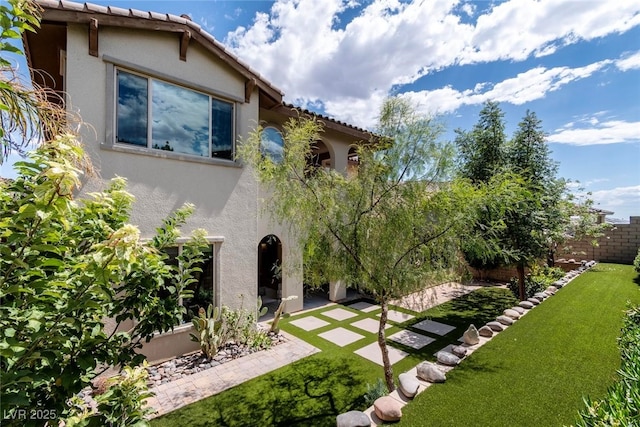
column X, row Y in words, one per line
column 96, row 16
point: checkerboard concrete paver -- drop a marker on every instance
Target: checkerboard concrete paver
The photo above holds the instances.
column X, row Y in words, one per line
column 398, row 316
column 309, row 323
column 434, row 327
column 364, row 306
column 411, row 339
column 372, row 353
column 369, row 325
column 339, row 314
column 341, row 336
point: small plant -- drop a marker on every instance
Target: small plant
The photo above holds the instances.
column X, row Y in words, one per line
column 121, row 403
column 212, row 332
column 278, row 315
column 375, row 391
column 636, row 262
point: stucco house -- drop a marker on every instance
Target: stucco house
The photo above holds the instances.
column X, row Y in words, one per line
column 167, row 104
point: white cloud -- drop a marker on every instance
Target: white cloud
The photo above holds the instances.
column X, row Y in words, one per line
column 391, row 43
column 600, row 132
column 622, row 200
column 630, row 62
column 525, row 87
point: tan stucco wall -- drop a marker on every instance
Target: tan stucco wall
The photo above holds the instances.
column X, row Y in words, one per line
column 292, row 277
column 225, row 196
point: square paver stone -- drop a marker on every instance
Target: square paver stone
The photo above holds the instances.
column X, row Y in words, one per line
column 398, row 316
column 364, row 306
column 339, row 314
column 372, row 352
column 309, row 323
column 341, row 336
column 434, row 327
column 369, row 325
column 411, row 339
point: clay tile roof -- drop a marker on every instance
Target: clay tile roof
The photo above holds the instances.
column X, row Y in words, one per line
column 68, row 11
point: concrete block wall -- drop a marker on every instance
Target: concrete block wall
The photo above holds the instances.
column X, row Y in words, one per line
column 619, row 245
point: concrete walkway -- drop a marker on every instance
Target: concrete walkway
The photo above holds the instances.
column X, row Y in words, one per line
column 176, row 394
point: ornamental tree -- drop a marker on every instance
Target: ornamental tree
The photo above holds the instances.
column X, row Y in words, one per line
column 67, row 265
column 389, row 229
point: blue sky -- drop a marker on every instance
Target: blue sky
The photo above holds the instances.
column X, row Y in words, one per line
column 575, row 63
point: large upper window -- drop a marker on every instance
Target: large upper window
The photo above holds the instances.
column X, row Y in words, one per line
column 159, row 115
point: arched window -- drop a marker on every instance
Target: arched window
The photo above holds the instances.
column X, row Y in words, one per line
column 272, row 144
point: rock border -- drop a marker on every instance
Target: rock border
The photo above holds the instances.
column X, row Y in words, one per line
column 483, row 338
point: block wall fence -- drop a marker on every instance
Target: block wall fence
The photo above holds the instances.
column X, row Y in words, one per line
column 619, row 245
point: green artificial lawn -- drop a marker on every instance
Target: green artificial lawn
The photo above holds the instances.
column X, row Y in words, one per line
column 314, row 390
column 537, row 371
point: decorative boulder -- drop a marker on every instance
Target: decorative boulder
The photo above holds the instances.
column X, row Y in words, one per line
column 551, row 290
column 505, row 320
column 534, row 301
column 408, row 384
column 353, row 419
column 526, row 304
column 447, row 358
column 430, row 372
column 471, row 336
column 387, row 408
column 520, row 310
column 511, row 313
column 541, row 295
column 496, row 326
column 485, row 331
column 459, row 350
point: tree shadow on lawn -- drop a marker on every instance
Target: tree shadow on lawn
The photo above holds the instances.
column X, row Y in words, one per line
column 310, row 392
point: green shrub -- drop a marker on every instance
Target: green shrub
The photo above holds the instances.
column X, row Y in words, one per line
column 621, row 405
column 636, row 261
column 375, row 391
column 540, row 278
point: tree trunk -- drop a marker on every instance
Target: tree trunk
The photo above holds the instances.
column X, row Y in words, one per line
column 382, row 342
column 521, row 281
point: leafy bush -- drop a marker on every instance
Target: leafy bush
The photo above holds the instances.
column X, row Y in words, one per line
column 621, row 406
column 67, row 265
column 538, row 280
column 636, row 261
column 121, row 403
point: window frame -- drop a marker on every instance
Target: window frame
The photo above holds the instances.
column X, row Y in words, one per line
column 216, row 245
column 113, row 65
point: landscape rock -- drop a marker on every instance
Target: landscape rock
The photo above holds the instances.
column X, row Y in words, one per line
column 447, row 358
column 387, row 408
column 496, row 326
column 353, row 419
column 408, row 384
column 520, row 310
column 430, row 372
column 511, row 313
column 526, row 304
column 485, row 331
column 505, row 320
column 459, row 350
column 534, row 301
column 541, row 295
column 471, row 336
column 551, row 290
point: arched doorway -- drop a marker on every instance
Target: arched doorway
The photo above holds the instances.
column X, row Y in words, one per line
column 320, row 156
column 270, row 269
